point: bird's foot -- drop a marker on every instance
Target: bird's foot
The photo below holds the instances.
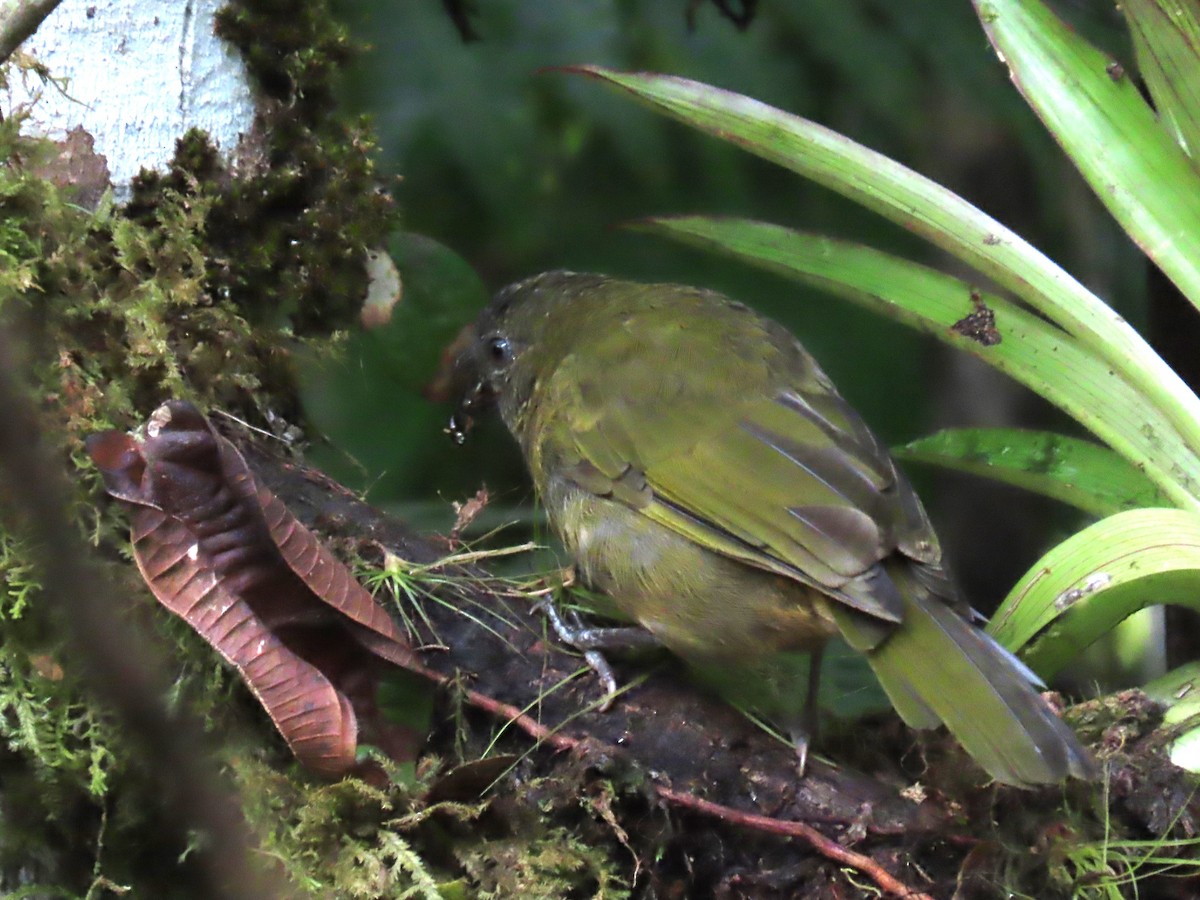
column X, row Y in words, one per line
column 591, row 641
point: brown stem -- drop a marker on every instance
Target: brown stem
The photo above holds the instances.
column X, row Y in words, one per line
column 826, row 846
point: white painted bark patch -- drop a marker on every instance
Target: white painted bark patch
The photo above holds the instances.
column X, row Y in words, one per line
column 140, row 73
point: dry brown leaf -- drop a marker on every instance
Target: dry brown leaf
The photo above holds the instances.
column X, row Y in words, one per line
column 227, row 556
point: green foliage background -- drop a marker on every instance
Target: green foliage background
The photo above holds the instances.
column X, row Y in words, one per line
column 515, row 168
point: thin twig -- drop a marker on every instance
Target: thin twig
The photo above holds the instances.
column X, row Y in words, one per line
column 826, row 846
column 19, row 19
column 121, row 664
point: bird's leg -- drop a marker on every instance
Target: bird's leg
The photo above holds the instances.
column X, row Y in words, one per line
column 590, row 641
column 804, row 732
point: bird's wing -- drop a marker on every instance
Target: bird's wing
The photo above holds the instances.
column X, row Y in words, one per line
column 764, row 462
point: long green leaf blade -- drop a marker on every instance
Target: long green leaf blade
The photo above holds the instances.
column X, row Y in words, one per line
column 1096, row 578
column 1179, row 691
column 1085, row 475
column 1166, row 39
column 1108, row 130
column 1031, row 350
column 926, row 208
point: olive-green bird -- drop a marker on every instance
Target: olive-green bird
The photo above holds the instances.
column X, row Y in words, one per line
column 704, row 473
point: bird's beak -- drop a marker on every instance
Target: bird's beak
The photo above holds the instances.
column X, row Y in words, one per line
column 463, row 418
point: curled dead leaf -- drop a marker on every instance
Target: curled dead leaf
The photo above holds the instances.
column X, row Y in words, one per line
column 224, row 554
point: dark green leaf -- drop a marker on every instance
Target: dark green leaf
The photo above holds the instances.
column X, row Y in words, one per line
column 1080, row 473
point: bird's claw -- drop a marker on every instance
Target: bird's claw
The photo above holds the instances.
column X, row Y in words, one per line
column 602, row 668
column 585, row 640
column 800, row 740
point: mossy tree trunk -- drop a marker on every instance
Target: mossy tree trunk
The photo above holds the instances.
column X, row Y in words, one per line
column 176, row 185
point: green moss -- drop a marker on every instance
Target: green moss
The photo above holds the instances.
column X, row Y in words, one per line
column 318, row 207
column 345, row 839
column 42, row 715
column 556, row 864
column 353, row 840
column 116, row 307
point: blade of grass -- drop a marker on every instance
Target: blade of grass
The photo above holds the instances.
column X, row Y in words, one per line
column 1096, row 578
column 940, row 216
column 1085, row 475
column 1166, row 38
column 1111, row 134
column 1031, row 350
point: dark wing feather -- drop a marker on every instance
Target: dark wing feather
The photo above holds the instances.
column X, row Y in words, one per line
column 760, row 460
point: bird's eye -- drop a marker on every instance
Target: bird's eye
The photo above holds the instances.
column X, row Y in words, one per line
column 500, row 350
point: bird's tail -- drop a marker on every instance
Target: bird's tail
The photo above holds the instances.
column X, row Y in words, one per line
column 937, row 667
